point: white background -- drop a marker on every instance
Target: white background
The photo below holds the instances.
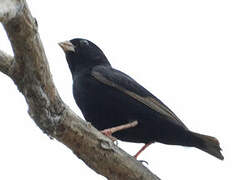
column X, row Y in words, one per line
column 193, row 55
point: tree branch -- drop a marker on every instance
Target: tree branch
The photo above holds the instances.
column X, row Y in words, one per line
column 5, row 63
column 30, row 71
column 10, row 9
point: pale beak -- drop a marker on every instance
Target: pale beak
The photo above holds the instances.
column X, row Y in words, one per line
column 67, row 46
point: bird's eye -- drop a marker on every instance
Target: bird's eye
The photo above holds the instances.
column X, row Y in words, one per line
column 84, row 43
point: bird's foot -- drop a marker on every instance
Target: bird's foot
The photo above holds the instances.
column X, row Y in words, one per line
column 143, row 161
column 108, row 133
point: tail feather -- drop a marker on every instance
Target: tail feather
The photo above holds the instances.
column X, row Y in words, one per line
column 208, row 144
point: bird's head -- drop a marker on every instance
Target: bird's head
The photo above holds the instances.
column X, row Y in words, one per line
column 82, row 54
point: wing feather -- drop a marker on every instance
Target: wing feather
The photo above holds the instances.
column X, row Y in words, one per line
column 124, row 83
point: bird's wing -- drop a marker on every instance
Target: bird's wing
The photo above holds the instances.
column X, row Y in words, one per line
column 124, row 83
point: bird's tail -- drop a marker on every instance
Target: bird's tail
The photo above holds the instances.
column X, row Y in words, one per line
column 208, row 144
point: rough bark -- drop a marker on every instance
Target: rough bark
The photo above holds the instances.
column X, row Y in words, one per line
column 30, row 71
column 5, row 63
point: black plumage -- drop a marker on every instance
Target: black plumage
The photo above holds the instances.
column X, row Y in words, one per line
column 108, row 97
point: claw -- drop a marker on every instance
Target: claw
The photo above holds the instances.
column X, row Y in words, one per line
column 143, row 161
column 108, row 133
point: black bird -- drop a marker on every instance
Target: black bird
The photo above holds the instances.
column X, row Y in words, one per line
column 107, row 98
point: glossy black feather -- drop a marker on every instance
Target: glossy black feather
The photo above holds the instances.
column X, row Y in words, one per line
column 126, row 84
column 107, row 98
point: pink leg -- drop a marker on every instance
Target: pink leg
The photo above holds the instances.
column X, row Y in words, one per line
column 110, row 131
column 142, row 149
